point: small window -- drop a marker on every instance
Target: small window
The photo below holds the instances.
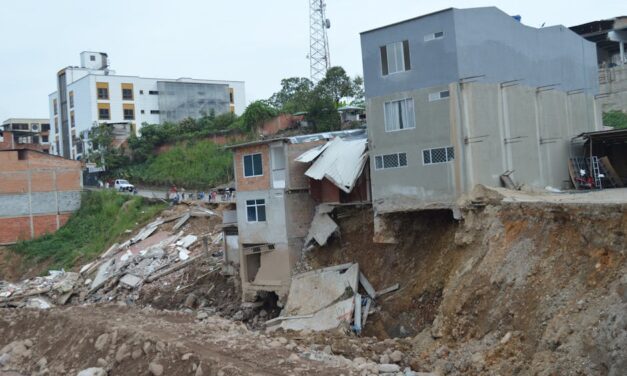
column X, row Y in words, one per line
column 141, row 92
column 438, row 155
column 395, row 58
column 153, row 92
column 434, row 36
column 45, row 127
column 127, row 94
column 44, row 139
column 54, row 106
column 399, row 115
column 71, row 99
column 72, row 120
column 386, row 161
column 256, row 210
column 439, row 95
column 129, row 114
column 154, row 112
column 231, row 96
column 92, row 58
column 253, row 165
column 141, row 111
column 104, row 114
column 103, row 93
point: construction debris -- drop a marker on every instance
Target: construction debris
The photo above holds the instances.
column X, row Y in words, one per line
column 322, row 226
column 326, row 299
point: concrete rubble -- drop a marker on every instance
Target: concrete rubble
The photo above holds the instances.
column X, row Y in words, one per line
column 150, row 254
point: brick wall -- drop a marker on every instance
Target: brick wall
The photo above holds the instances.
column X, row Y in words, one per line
column 252, row 183
column 297, row 177
column 38, row 193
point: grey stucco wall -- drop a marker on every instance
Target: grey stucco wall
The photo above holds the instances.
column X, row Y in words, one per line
column 15, row 205
column 432, row 63
column 273, row 230
column 480, row 42
column 491, row 43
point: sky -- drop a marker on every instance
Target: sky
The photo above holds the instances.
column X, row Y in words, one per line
column 259, row 42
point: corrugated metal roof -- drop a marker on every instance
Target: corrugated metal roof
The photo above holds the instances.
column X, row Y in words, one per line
column 311, row 154
column 341, row 162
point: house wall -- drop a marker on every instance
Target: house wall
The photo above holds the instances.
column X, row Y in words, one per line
column 613, row 82
column 252, row 183
column 296, row 170
column 38, row 193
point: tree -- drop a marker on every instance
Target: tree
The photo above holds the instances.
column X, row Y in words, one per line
column 336, row 84
column 294, row 96
column 323, row 114
column 359, row 96
column 615, row 119
column 257, row 113
column 102, row 150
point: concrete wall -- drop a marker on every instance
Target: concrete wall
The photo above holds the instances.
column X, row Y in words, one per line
column 252, row 183
column 614, row 88
column 482, row 42
column 38, row 193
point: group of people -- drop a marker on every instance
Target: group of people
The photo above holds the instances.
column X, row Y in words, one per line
column 176, row 195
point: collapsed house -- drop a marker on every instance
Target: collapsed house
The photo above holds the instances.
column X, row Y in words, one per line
column 599, row 159
column 275, row 209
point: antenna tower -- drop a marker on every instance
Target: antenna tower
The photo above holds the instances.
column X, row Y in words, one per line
column 319, row 57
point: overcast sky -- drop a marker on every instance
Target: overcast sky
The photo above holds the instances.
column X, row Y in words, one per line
column 259, row 42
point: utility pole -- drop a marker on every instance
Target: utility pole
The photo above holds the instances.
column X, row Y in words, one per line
column 319, row 57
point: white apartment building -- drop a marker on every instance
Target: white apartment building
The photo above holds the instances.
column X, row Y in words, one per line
column 93, row 94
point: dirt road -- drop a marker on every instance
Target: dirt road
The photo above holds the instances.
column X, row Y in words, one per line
column 125, row 341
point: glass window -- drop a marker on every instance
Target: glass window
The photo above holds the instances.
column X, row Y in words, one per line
column 385, row 161
column 253, row 165
column 256, row 210
column 129, row 114
column 399, row 115
column 438, row 155
column 103, row 93
column 127, row 94
column 395, row 57
column 103, row 114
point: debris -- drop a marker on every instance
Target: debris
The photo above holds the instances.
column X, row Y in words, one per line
column 187, row 241
column 172, row 269
column 181, row 222
column 388, row 290
column 38, row 302
column 357, row 318
column 367, row 286
column 320, row 299
column 183, row 253
column 322, row 226
column 130, row 281
column 364, row 315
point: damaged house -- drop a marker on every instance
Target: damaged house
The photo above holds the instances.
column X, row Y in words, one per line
column 459, row 97
column 275, row 208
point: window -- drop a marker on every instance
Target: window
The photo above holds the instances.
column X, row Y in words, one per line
column 231, row 97
column 56, row 125
column 129, row 114
column 92, row 58
column 395, row 160
column 154, row 112
column 253, row 165
column 54, row 106
column 44, row 139
column 142, row 111
column 434, row 36
column 72, row 121
column 438, row 155
column 399, row 115
column 256, row 210
column 395, row 57
column 141, row 92
column 45, row 127
column 104, row 113
column 439, row 95
column 71, row 99
column 153, row 92
column 102, row 89
column 127, row 94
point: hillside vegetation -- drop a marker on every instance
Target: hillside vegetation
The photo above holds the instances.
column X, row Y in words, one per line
column 103, row 217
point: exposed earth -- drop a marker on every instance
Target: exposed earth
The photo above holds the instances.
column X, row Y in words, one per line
column 515, row 288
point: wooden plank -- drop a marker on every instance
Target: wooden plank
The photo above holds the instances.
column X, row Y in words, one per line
column 388, row 290
column 613, row 175
column 367, row 286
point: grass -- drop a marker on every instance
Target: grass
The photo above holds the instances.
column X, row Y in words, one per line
column 103, row 217
column 198, row 164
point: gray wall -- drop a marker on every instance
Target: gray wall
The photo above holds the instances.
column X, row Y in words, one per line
column 480, row 41
column 15, row 205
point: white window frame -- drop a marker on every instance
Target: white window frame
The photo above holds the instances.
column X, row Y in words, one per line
column 402, row 55
column 439, row 95
column 256, row 206
column 382, row 156
column 447, row 149
column 244, row 165
column 434, row 36
column 413, row 114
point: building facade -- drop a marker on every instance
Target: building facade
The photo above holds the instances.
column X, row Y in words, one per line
column 30, row 131
column 459, row 97
column 93, row 94
column 38, row 193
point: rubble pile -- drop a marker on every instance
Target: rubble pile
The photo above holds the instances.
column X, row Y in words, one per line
column 160, row 248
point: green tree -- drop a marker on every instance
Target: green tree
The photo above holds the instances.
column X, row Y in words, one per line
column 294, row 96
column 102, row 151
column 257, row 113
column 615, row 119
column 336, row 84
column 359, row 96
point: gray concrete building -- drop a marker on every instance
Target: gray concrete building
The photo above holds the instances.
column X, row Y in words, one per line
column 458, row 97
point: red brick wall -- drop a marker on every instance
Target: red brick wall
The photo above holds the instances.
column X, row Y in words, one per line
column 14, row 229
column 44, row 224
column 252, row 183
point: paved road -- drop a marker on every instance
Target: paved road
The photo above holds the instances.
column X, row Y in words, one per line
column 160, row 193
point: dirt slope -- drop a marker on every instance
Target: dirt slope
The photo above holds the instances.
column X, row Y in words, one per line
column 512, row 289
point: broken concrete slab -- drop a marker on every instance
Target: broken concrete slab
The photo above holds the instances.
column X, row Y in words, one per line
column 388, row 290
column 181, row 222
column 367, row 286
column 322, row 226
column 130, row 281
column 38, row 302
column 103, row 273
column 186, row 241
